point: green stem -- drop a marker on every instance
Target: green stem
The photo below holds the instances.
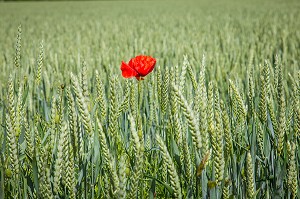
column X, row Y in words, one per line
column 139, row 101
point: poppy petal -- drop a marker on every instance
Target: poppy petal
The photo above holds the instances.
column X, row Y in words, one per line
column 128, row 71
column 142, row 64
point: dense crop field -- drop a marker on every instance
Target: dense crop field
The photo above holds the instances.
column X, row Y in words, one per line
column 219, row 116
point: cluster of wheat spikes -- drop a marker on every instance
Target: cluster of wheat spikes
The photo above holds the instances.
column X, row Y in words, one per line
column 152, row 138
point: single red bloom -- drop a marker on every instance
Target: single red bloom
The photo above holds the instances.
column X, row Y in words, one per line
column 138, row 67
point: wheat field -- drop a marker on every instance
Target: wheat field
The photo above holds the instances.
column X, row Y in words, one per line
column 219, row 116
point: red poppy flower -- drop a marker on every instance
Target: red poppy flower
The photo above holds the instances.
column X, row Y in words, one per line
column 138, row 67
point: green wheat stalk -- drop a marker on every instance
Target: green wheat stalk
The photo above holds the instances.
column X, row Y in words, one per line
column 175, row 183
column 250, row 189
column 39, row 65
column 292, row 179
column 101, row 98
column 218, row 152
column 263, row 97
column 165, row 92
column 83, row 109
column 72, row 115
column 138, row 166
column 202, row 108
column 17, row 60
column 189, row 114
column 281, row 112
column 58, row 167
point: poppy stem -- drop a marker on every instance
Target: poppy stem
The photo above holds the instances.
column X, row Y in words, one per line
column 139, row 111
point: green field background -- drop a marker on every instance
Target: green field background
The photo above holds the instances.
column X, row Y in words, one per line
column 218, row 62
